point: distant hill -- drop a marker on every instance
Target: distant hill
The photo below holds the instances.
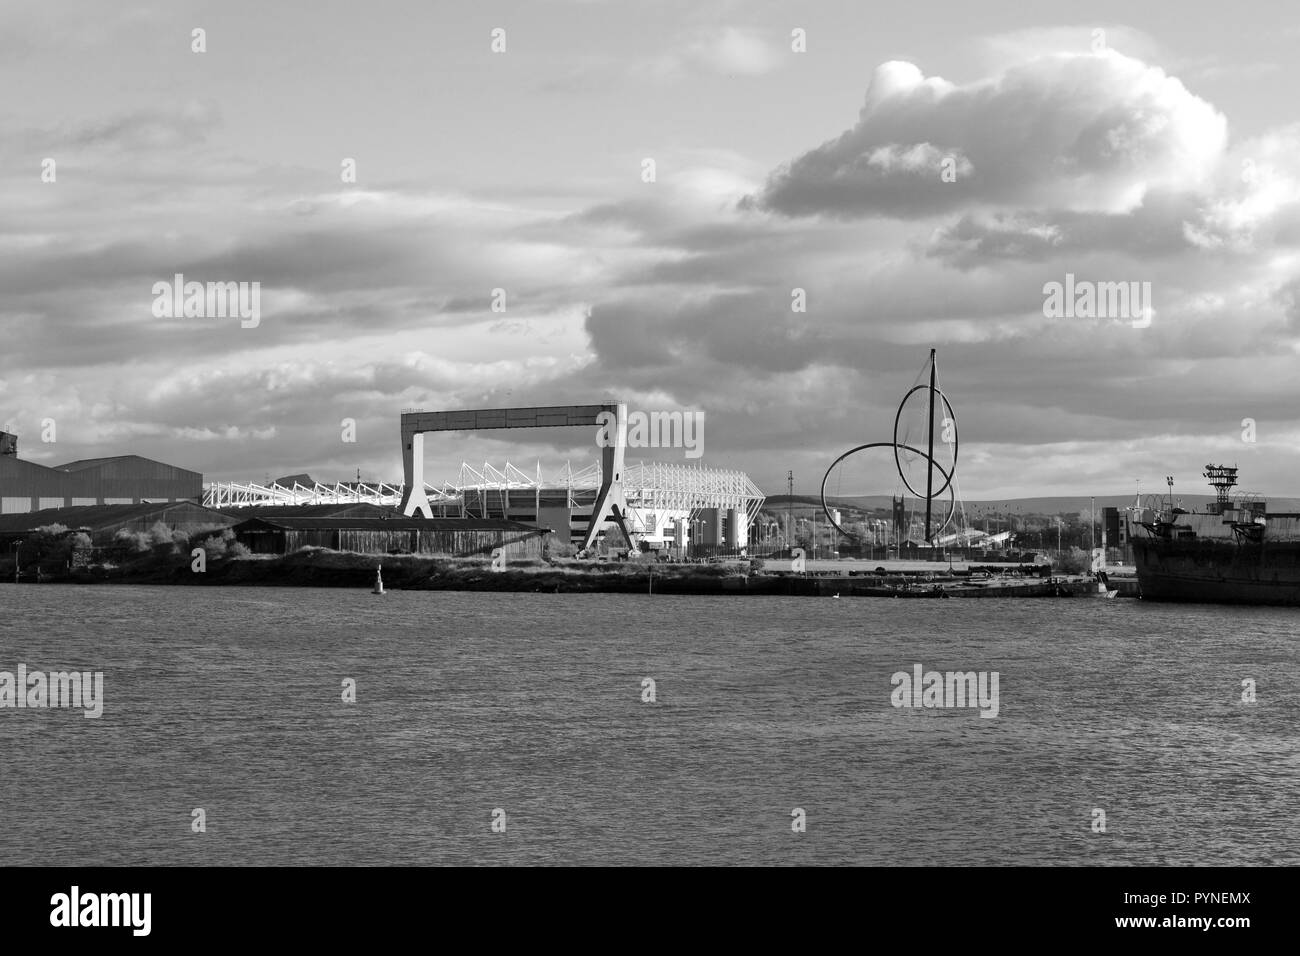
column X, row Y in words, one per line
column 288, row 481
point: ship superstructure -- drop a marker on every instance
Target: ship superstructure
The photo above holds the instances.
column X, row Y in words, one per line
column 1233, row 552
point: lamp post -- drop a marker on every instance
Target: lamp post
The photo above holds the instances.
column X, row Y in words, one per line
column 1170, row 480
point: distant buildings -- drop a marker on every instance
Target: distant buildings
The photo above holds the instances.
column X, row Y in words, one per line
column 1114, row 535
column 668, row 506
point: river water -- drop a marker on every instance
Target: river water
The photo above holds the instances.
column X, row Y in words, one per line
column 229, row 700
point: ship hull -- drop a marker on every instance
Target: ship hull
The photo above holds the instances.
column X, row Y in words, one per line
column 1218, row 572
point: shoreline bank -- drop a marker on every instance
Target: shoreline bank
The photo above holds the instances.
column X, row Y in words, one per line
column 320, row 568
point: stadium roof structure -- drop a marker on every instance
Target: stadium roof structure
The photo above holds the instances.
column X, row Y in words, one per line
column 648, row 486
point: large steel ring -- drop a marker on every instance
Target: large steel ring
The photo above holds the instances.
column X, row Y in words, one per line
column 952, row 497
column 956, row 445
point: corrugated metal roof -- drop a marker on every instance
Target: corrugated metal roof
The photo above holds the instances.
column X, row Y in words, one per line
column 20, row 468
column 358, row 509
column 345, row 523
column 100, row 516
column 85, row 464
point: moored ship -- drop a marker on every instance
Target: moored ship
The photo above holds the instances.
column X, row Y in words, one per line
column 1234, row 552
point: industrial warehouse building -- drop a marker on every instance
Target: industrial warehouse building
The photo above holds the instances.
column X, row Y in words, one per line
column 123, row 480
column 356, row 509
column 451, row 537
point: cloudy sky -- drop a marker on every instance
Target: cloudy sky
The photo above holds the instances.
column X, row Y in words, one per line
column 1117, row 142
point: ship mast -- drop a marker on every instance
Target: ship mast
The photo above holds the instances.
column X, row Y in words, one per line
column 1222, row 478
column 929, row 471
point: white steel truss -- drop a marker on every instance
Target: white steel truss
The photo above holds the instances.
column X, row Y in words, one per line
column 235, row 494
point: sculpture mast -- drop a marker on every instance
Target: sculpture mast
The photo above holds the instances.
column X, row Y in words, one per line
column 929, row 470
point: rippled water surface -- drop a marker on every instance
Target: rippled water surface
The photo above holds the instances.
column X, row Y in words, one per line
column 229, row 699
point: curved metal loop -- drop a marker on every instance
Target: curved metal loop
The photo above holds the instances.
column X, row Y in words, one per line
column 956, row 443
column 952, row 497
